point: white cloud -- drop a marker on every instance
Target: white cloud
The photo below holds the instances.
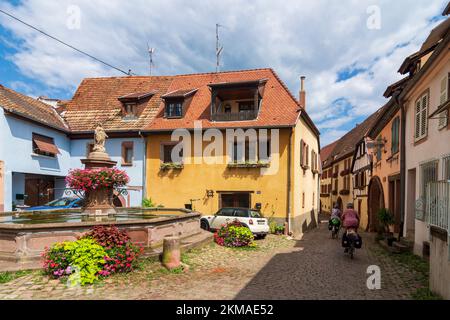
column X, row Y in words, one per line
column 313, row 38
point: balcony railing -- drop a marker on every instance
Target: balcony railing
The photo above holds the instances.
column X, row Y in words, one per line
column 235, row 116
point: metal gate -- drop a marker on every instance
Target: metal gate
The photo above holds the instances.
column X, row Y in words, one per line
column 438, row 206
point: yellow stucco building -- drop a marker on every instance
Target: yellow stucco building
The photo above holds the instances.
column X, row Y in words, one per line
column 277, row 170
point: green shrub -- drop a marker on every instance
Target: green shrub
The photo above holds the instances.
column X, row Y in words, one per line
column 80, row 260
column 148, row 203
column 234, row 235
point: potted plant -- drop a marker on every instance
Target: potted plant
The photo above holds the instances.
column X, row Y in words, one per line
column 279, row 229
column 386, row 219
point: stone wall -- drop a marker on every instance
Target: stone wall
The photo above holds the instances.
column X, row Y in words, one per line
column 439, row 263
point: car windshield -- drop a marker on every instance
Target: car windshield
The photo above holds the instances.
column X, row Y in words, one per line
column 255, row 214
column 60, row 202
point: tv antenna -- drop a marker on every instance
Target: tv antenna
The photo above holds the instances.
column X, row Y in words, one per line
column 151, row 51
column 219, row 48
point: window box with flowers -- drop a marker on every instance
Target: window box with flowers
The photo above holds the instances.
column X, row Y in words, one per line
column 249, row 164
column 335, row 175
column 345, row 172
column 324, row 195
column 171, row 165
column 344, row 192
column 334, row 192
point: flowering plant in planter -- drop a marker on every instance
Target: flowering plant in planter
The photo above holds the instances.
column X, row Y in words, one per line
column 96, row 255
column 234, row 234
column 91, row 179
column 122, row 253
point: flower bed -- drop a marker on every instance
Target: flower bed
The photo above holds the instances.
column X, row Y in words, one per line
column 91, row 179
column 234, row 234
column 98, row 254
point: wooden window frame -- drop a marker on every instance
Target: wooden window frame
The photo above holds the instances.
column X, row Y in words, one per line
column 168, row 102
column 127, row 145
column 162, row 152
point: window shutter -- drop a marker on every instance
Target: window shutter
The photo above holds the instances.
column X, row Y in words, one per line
column 443, row 116
column 423, row 118
column 301, row 152
column 417, row 114
column 307, row 155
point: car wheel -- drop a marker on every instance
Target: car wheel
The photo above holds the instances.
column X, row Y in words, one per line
column 262, row 236
column 204, row 225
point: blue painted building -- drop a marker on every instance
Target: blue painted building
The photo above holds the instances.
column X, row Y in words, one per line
column 38, row 147
column 34, row 151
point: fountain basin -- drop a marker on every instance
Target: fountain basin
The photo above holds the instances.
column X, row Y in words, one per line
column 25, row 235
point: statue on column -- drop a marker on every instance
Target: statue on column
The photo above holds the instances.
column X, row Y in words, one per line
column 99, row 139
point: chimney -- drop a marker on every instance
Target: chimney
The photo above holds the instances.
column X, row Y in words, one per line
column 302, row 95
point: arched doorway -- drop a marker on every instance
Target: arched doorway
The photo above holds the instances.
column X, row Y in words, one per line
column 376, row 202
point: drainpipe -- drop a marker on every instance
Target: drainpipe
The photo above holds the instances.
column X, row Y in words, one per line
column 402, row 163
column 289, row 183
column 144, row 168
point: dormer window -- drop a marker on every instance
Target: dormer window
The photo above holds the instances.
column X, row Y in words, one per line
column 177, row 102
column 236, row 101
column 134, row 103
column 130, row 110
column 174, row 109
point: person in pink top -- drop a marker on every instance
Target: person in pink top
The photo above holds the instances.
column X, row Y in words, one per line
column 350, row 218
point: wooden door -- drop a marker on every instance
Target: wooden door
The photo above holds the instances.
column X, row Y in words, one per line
column 235, row 199
column 39, row 190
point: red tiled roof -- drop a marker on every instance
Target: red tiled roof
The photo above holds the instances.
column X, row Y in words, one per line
column 279, row 107
column 179, row 93
column 29, row 108
column 347, row 144
column 97, row 100
column 326, row 151
column 137, row 95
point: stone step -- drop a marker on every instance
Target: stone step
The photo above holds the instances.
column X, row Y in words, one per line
column 197, row 240
column 397, row 247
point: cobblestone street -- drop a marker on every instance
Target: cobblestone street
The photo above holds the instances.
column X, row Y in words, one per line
column 312, row 268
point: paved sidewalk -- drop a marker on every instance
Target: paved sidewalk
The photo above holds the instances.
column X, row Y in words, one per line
column 312, row 268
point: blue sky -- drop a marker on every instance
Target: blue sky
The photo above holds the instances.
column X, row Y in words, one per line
column 347, row 61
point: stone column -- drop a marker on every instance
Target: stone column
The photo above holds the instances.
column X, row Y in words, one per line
column 171, row 256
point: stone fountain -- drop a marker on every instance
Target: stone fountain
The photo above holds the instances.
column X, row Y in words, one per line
column 100, row 201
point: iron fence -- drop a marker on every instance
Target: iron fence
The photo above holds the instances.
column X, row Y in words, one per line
column 438, row 206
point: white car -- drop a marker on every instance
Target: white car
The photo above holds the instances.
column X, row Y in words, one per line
column 252, row 219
